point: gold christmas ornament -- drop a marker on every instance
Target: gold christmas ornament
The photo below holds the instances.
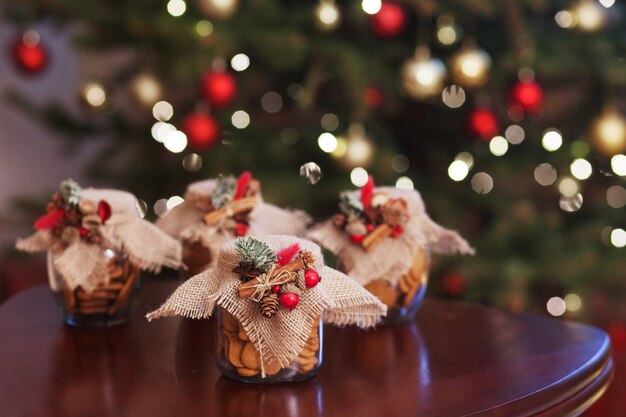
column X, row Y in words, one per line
column 218, row 9
column 146, row 89
column 423, row 76
column 327, row 15
column 359, row 147
column 470, row 66
column 608, row 132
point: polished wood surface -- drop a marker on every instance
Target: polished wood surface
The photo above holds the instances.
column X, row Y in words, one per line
column 455, row 360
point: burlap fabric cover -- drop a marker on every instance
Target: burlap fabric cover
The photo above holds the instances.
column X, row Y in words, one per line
column 83, row 265
column 184, row 222
column 282, row 337
column 393, row 257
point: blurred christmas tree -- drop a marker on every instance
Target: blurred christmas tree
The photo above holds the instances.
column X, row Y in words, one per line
column 505, row 115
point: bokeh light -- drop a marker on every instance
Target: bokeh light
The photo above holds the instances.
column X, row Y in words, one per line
column 458, row 170
column 359, row 176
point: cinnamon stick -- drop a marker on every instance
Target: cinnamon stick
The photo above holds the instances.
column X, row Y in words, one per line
column 125, row 291
column 246, row 289
column 235, row 207
column 380, row 233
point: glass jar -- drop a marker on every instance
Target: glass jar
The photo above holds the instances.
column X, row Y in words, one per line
column 403, row 296
column 196, row 258
column 238, row 359
column 109, row 304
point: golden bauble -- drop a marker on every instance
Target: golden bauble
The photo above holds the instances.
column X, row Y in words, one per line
column 423, row 76
column 469, row 67
column 146, row 89
column 218, row 9
column 327, row 15
column 608, row 133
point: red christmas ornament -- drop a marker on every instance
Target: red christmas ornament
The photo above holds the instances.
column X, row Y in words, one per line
column 397, row 231
column 483, row 123
column 454, row 284
column 276, row 289
column 357, row 238
column 373, row 97
column 242, row 229
column 289, row 300
column 202, row 131
column 218, row 88
column 527, row 94
column 389, row 21
column 311, row 278
column 29, row 55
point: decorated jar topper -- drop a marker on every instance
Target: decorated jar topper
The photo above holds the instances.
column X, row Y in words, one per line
column 272, row 294
column 216, row 211
column 97, row 244
column 383, row 238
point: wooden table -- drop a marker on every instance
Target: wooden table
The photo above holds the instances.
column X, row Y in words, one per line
column 455, row 360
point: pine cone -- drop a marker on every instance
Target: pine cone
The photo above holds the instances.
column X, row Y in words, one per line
column 269, row 304
column 290, row 288
column 307, row 258
column 299, row 281
column 395, row 212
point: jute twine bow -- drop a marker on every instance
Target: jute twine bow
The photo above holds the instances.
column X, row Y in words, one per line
column 268, row 280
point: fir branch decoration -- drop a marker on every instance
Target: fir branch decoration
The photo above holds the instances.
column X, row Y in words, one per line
column 255, row 252
column 224, row 191
column 70, row 191
column 350, row 204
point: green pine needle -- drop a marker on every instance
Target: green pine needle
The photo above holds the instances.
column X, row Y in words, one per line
column 224, row 191
column 70, row 191
column 350, row 204
column 255, row 252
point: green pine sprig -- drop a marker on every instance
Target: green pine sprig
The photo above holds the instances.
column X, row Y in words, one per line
column 254, row 251
column 70, row 191
column 350, row 204
column 224, row 191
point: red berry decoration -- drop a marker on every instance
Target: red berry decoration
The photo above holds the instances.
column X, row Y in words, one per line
column 242, row 229
column 369, row 227
column 276, row 289
column 454, row 284
column 49, row 220
column 389, row 21
column 202, row 131
column 483, row 123
column 397, row 231
column 104, row 211
column 29, row 54
column 357, row 238
column 218, row 88
column 311, row 278
column 289, row 300
column 527, row 94
column 373, row 97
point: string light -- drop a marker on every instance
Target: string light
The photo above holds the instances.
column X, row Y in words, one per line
column 581, row 169
column 175, row 141
column 618, row 238
column 607, row 3
column 327, row 142
column 329, row 122
column 327, row 15
column 453, row 96
column 342, row 148
column 146, row 88
column 359, row 176
column 162, row 111
column 447, row 32
column 589, row 15
column 192, row 162
column 564, row 19
column 371, row 6
column 573, row 302
column 568, row 187
column 400, row 163
column 458, row 170
column 160, row 130
column 295, row 91
column 204, row 28
column 498, row 146
column 466, row 157
column 552, row 140
column 616, row 196
column 359, row 148
column 94, row 94
column 514, row 134
column 404, row 183
column 423, row 76
column 482, row 183
column 271, row 102
column 160, row 207
column 240, row 62
column 174, row 201
column 556, row 306
column 571, row 204
column 240, row 119
column 545, row 174
column 618, row 164
column 176, row 7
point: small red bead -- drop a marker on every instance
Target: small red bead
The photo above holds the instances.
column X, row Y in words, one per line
column 311, row 278
column 369, row 227
column 276, row 289
column 357, row 238
column 289, row 300
column 83, row 231
column 242, row 229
